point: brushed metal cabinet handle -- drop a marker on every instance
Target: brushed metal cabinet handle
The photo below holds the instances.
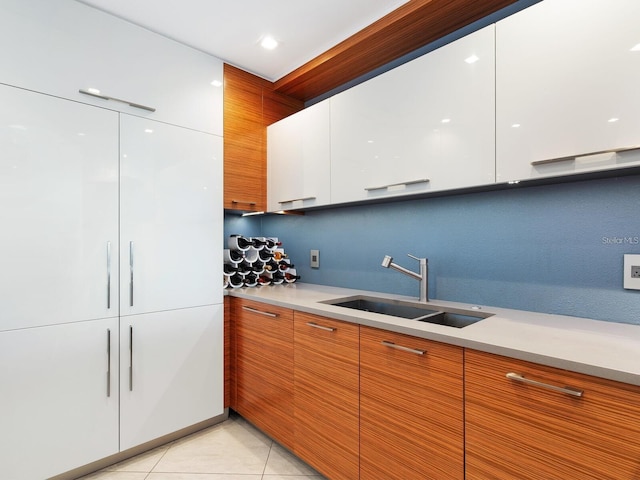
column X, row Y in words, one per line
column 131, row 274
column 410, row 182
column 404, row 349
column 588, row 154
column 108, row 362
column 302, row 199
column 108, row 275
column 131, row 358
column 107, row 97
column 320, row 327
column 243, row 202
column 260, row 312
column 522, row 379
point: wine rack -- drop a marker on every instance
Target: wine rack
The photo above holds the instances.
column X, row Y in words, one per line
column 256, row 261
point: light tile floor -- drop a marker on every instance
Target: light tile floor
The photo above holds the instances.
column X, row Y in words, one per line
column 232, row 450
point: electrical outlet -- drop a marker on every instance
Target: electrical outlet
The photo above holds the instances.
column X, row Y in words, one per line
column 632, row 272
column 314, row 258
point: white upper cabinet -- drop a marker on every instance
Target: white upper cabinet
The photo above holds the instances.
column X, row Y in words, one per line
column 64, row 46
column 425, row 126
column 567, row 88
column 170, row 216
column 298, row 152
column 59, row 210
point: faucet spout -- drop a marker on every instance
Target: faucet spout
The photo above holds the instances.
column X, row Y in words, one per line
column 422, row 277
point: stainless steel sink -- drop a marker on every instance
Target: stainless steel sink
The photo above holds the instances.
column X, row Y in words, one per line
column 410, row 310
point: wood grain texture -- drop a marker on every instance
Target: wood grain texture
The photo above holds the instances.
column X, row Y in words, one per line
column 411, row 409
column 530, row 433
column 411, row 26
column 264, row 369
column 326, row 378
column 229, row 373
column 250, row 105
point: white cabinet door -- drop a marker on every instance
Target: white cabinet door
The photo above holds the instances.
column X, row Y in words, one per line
column 58, row 210
column 59, row 398
column 298, row 153
column 64, row 46
column 430, row 119
column 567, row 85
column 170, row 217
column 171, row 372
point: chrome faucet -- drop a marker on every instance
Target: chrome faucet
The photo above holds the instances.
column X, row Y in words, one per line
column 422, row 277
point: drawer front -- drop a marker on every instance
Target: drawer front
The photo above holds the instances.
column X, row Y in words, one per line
column 327, row 395
column 519, row 429
column 411, row 410
column 264, row 367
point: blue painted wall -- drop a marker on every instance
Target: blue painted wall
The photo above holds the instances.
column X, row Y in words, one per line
column 554, row 249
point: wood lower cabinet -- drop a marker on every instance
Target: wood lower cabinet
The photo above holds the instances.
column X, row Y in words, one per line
column 264, row 368
column 326, row 379
column 411, row 408
column 526, row 431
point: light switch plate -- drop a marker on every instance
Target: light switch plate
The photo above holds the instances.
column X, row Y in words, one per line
column 314, row 258
column 632, row 272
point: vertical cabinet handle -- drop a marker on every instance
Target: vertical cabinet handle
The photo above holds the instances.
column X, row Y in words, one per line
column 108, row 362
column 130, row 358
column 131, row 274
column 108, row 275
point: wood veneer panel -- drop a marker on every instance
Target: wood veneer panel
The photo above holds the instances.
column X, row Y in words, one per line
column 326, row 378
column 526, row 432
column 229, row 373
column 411, row 408
column 411, row 26
column 264, row 368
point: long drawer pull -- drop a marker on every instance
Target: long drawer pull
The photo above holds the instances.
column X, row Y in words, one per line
column 320, row 327
column 568, row 390
column 106, row 97
column 302, row 199
column 260, row 312
column 404, row 349
column 410, row 182
column 589, row 154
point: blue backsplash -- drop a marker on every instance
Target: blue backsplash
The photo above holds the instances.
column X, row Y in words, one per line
column 554, row 249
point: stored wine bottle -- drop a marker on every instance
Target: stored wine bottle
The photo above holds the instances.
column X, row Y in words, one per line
column 230, row 268
column 279, row 254
column 244, row 267
column 258, row 242
column 290, row 277
column 285, row 265
column 238, row 242
column 232, row 256
column 272, row 243
column 271, row 265
column 236, row 280
column 264, row 279
column 277, row 277
column 265, row 255
column 257, row 267
column 251, row 280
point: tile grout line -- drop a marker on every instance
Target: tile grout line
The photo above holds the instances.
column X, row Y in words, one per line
column 267, row 461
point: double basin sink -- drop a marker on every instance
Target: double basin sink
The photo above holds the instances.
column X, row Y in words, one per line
column 410, row 310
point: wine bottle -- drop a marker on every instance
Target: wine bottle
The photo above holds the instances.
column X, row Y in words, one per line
column 251, row 280
column 277, row 277
column 236, row 280
column 272, row 243
column 232, row 256
column 244, row 267
column 290, row 277
column 284, row 265
column 265, row 255
column 279, row 254
column 238, row 242
column 258, row 242
column 264, row 279
column 230, row 269
column 257, row 267
column 271, row 265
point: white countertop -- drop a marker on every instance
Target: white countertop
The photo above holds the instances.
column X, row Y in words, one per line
column 603, row 349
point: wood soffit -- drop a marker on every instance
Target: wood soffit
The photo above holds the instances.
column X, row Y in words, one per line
column 413, row 25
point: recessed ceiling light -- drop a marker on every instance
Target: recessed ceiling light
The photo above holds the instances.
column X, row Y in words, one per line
column 269, row 42
column 515, row 125
column 635, row 48
column 613, row 120
column 472, row 59
column 148, row 130
column 216, row 83
column 446, row 120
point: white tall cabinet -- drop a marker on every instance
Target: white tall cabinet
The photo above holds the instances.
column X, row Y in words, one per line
column 111, row 308
column 567, row 75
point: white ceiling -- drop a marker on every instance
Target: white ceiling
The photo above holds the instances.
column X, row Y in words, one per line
column 232, row 30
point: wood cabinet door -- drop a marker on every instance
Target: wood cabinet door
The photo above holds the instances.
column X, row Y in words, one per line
column 411, row 408
column 326, row 379
column 526, row 431
column 264, row 367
